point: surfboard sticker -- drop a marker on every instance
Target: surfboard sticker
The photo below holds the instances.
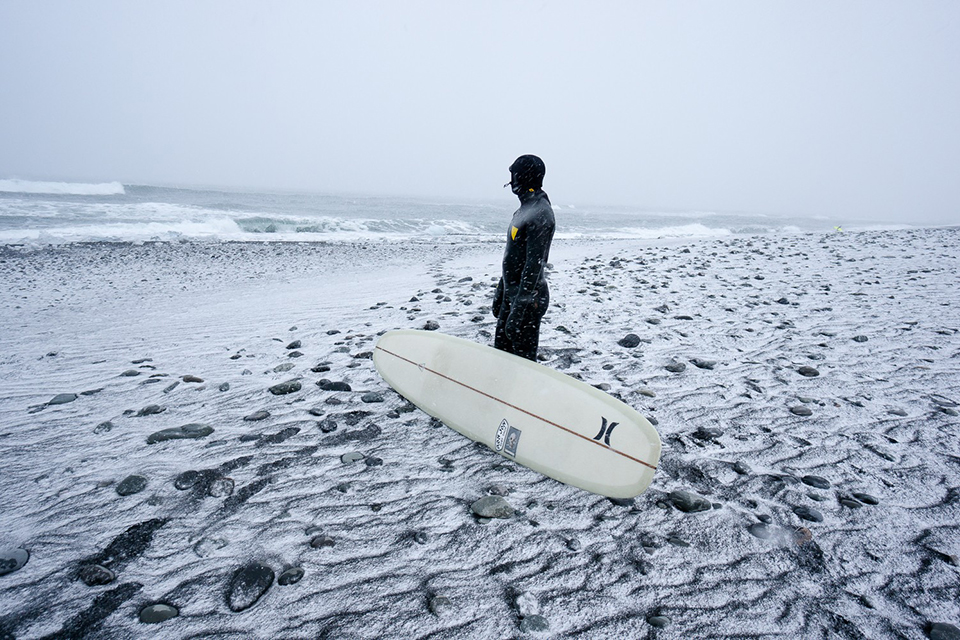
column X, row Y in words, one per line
column 501, row 434
column 513, row 441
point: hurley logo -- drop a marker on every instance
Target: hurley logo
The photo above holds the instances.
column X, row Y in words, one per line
column 605, row 431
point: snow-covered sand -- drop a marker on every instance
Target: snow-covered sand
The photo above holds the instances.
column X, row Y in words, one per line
column 792, row 547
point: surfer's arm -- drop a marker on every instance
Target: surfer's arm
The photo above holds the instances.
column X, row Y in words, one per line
column 498, row 299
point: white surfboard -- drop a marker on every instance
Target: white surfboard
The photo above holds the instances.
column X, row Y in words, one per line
column 541, row 418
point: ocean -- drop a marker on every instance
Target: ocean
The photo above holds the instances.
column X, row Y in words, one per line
column 41, row 213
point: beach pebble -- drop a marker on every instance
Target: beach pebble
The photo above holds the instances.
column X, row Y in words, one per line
column 94, row 575
column 296, row 344
column 629, row 341
column 647, row 393
column 322, row 541
column 441, row 606
column 492, row 507
column 816, row 482
column 850, row 503
column 943, row 631
column 742, row 468
column 248, row 585
column 190, row 378
column 151, row 409
column 534, row 624
column 225, row 386
column 131, row 485
column 431, row 325
column 155, row 613
column 676, row 367
column 186, row 480
column 103, row 427
column 760, row 530
column 707, row 433
column 866, row 498
column 349, row 458
column 808, row 372
column 783, row 301
column 371, row 397
column 659, row 622
column 329, row 385
column 129, row 373
column 191, row 431
column 801, row 410
column 897, row 412
column 808, row 513
column 373, row 461
column 221, row 488
column 290, row 576
column 527, row 604
column 689, row 502
column 284, row 388
column 12, row 559
column 62, row 398
column 283, row 368
column 262, row 414
column 860, row 338
column 208, row 546
column 704, row 364
column 170, row 387
column 653, row 321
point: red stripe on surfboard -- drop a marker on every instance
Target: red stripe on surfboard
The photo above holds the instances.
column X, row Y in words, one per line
column 513, row 406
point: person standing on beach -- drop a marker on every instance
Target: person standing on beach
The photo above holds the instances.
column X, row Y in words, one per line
column 522, row 297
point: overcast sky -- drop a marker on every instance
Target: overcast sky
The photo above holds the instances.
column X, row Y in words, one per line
column 817, row 108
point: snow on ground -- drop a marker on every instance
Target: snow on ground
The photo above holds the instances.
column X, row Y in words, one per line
column 816, row 410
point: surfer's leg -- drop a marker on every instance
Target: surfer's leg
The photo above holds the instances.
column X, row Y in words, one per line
column 500, row 340
column 528, row 339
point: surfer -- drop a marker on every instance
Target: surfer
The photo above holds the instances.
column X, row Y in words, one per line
column 522, row 297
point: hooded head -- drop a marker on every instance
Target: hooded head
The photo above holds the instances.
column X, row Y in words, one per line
column 526, row 174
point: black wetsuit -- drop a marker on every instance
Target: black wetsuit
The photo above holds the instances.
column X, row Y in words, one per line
column 522, row 296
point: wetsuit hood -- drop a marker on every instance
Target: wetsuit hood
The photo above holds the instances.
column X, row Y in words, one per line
column 526, row 174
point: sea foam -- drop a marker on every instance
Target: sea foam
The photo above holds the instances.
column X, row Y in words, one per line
column 62, row 188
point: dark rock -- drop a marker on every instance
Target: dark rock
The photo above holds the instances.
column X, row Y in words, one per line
column 659, row 622
column 322, row 541
column 150, row 410
column 156, row 613
column 676, row 367
column 296, row 344
column 189, row 378
column 760, row 530
column 707, row 433
column 263, row 414
column 192, row 431
column 62, row 398
column 224, row 386
column 320, row 368
column 290, row 576
column 373, row 461
column 103, row 427
column 284, row 388
column 816, row 482
column 783, row 301
column 689, row 502
column 131, row 485
column 186, row 480
column 742, row 468
column 801, row 410
column 220, row 487
column 95, row 575
column 866, row 498
column 129, row 373
column 808, row 372
column 431, row 325
column 704, row 364
column 943, row 631
column 850, row 503
column 12, row 560
column 170, row 387
column 492, row 507
column 629, row 341
column 329, row 385
column 371, row 397
column 248, row 585
column 350, row 458
column 860, row 338
column 807, row 513
column 534, row 624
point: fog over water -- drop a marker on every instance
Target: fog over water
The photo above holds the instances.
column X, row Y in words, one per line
column 795, row 108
